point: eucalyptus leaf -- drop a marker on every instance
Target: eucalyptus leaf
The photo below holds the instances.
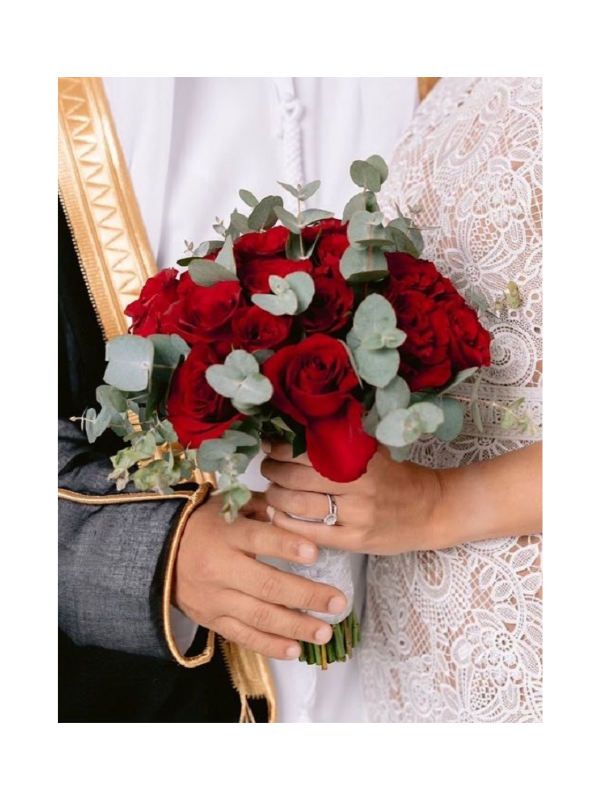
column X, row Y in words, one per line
column 293, row 190
column 374, row 315
column 169, row 351
column 365, row 226
column 365, row 175
column 412, row 241
column 460, row 377
column 278, row 285
column 111, row 397
column 207, row 273
column 358, row 278
column 430, row 416
column 356, row 203
column 303, row 287
column 370, row 421
column 242, row 363
column 377, row 367
column 396, row 430
column 312, row 215
column 453, row 419
column 278, row 305
column 287, row 219
column 308, row 190
column 264, row 216
column 399, row 453
column 222, row 380
column 395, row 395
column 248, row 198
column 215, row 449
column 380, row 165
column 129, row 362
column 239, row 438
column 226, row 258
column 255, row 389
column 370, row 263
column 239, row 222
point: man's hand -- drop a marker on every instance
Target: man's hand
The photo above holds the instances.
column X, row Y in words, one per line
column 220, row 585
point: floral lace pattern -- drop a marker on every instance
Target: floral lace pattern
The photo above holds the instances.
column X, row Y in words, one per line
column 455, row 635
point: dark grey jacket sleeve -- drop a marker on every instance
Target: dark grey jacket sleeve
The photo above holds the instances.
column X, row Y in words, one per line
column 110, row 557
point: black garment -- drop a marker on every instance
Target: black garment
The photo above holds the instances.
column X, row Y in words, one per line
column 97, row 684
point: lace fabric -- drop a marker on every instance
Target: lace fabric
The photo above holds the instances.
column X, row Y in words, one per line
column 456, row 635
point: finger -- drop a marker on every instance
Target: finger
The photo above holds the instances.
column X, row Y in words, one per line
column 256, row 507
column 335, row 536
column 264, row 643
column 282, row 451
column 307, row 504
column 300, row 478
column 278, row 620
column 274, row 586
column 261, row 539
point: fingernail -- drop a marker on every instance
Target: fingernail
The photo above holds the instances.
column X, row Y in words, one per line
column 323, row 635
column 266, row 445
column 293, row 651
column 307, row 552
column 336, row 605
column 270, row 513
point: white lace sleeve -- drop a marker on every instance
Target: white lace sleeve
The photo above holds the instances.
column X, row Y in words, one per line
column 455, row 635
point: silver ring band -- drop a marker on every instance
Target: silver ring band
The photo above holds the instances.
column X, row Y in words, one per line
column 330, row 518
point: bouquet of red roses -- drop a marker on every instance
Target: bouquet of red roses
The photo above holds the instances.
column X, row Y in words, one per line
column 332, row 334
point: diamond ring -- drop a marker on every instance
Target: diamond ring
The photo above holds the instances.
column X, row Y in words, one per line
column 331, row 517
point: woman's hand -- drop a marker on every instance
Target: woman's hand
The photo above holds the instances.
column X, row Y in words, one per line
column 389, row 510
column 396, row 508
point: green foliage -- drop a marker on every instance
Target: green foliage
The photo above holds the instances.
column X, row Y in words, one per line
column 130, row 361
column 360, row 265
column 374, row 340
column 263, row 216
column 207, row 273
column 291, row 295
column 403, row 426
column 407, row 238
column 365, row 175
column 453, row 419
column 393, row 396
column 288, row 219
column 379, row 163
column 248, row 198
column 240, row 380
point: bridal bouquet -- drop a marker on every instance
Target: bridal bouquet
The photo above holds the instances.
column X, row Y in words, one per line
column 331, row 334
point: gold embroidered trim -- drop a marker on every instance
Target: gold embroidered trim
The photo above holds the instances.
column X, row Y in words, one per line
column 100, row 203
column 425, row 86
column 251, row 677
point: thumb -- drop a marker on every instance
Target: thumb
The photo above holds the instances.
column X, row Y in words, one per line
column 256, row 507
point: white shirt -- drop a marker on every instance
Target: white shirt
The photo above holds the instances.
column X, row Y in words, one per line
column 191, row 144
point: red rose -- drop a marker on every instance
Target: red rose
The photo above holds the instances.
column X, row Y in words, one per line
column 194, row 409
column 424, row 356
column 159, row 293
column 205, row 313
column 313, row 382
column 469, row 341
column 330, row 248
column 408, row 272
column 330, row 308
column 265, row 243
column 255, row 329
column 254, row 274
